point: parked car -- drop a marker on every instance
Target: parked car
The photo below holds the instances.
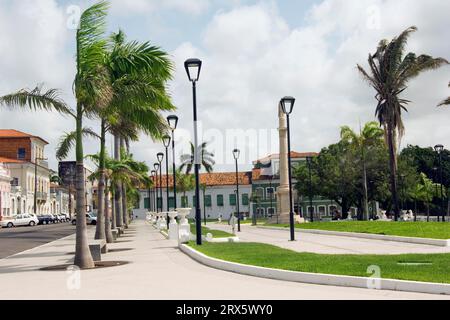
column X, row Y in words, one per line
column 90, row 219
column 59, row 218
column 19, row 220
column 65, row 217
column 46, row 219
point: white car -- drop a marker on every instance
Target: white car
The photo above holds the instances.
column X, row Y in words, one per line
column 20, row 220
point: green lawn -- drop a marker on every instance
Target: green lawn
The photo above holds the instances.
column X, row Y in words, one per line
column 269, row 256
column 215, row 233
column 434, row 230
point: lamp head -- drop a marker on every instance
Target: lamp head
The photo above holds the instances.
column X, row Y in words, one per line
column 166, row 141
column 439, row 148
column 193, row 68
column 156, row 166
column 236, row 154
column 287, row 104
column 160, row 157
column 173, row 122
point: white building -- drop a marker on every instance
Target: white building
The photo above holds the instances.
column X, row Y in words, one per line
column 218, row 200
column 5, row 192
column 62, row 201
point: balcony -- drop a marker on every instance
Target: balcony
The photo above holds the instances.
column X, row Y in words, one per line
column 16, row 189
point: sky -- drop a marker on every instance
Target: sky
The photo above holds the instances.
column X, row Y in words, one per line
column 254, row 52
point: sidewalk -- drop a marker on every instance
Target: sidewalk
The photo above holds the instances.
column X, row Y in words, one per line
column 327, row 244
column 157, row 270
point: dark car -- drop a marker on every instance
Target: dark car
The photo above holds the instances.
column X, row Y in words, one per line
column 46, row 219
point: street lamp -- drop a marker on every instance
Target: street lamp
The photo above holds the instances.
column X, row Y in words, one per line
column 193, row 68
column 160, row 157
column 439, row 149
column 157, row 166
column 311, row 211
column 287, row 104
column 236, row 154
column 35, row 182
column 152, row 195
column 166, row 142
column 173, row 124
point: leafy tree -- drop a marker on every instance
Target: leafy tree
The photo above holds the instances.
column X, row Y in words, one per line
column 390, row 72
column 425, row 190
column 185, row 183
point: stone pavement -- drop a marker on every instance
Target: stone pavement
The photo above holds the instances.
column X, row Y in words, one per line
column 157, row 270
column 318, row 243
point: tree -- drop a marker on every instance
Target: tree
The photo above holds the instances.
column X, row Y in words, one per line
column 425, row 190
column 91, row 93
column 390, row 72
column 207, row 159
column 256, row 199
column 185, row 183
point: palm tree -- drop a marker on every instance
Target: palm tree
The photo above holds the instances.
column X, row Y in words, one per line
column 361, row 144
column 91, row 92
column 425, row 191
column 185, row 183
column 390, row 71
column 446, row 102
column 207, row 159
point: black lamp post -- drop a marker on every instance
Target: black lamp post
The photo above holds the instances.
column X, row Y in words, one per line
column 193, row 68
column 311, row 211
column 173, row 124
column 439, row 149
column 160, row 157
column 287, row 104
column 152, row 198
column 166, row 143
column 157, row 166
column 236, row 154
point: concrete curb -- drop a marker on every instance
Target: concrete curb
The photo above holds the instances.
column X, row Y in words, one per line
column 317, row 278
column 427, row 241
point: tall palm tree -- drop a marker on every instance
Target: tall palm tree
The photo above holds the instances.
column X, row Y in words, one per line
column 390, row 72
column 207, row 159
column 185, row 183
column 92, row 92
column 361, row 145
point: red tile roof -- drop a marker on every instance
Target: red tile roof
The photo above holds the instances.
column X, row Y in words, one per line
column 11, row 133
column 8, row 160
column 215, row 179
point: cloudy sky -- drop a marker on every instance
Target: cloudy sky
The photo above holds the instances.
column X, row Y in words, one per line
column 254, row 52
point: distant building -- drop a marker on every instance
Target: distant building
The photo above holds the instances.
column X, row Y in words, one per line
column 220, row 196
column 62, row 201
column 23, row 155
column 5, row 192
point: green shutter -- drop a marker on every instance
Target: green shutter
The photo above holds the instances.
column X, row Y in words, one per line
column 208, row 201
column 171, row 202
column 220, row 200
column 232, row 199
column 146, row 203
column 245, row 200
column 160, row 203
column 193, row 202
column 184, row 201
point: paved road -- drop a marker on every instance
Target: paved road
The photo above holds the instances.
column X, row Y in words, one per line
column 19, row 239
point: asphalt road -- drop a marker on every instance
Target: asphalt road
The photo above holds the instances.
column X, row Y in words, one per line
column 19, row 239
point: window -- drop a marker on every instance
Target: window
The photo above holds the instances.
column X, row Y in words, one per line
column 21, row 153
column 220, row 200
column 260, row 193
column 147, row 203
column 171, row 202
column 270, row 211
column 194, row 202
column 245, row 200
column 15, row 182
column 160, row 203
column 208, row 201
column 232, row 199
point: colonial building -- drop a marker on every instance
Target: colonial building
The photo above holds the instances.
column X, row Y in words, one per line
column 23, row 155
column 217, row 200
column 62, row 200
column 5, row 192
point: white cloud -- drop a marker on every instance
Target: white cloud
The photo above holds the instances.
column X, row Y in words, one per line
column 133, row 7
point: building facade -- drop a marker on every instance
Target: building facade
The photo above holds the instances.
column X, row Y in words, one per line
column 217, row 198
column 5, row 192
column 23, row 155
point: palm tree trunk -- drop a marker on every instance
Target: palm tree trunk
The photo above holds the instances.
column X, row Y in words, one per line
column 118, row 187
column 393, row 169
column 108, row 233
column 113, row 208
column 124, row 190
column 83, row 257
column 100, row 227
